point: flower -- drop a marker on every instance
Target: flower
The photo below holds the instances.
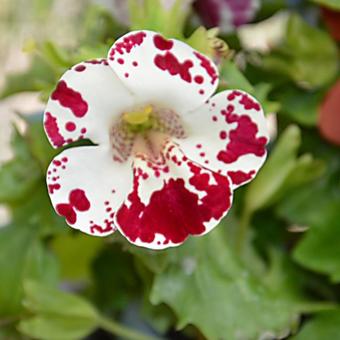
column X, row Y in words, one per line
column 329, row 115
column 166, row 158
column 331, row 19
column 226, row 14
column 265, row 35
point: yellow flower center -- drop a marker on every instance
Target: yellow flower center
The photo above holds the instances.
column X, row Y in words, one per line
column 138, row 117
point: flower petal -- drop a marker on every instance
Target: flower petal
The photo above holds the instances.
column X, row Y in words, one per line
column 86, row 187
column 161, row 71
column 228, row 135
column 171, row 199
column 84, row 103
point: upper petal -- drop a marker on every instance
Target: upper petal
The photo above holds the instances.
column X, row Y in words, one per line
column 171, row 199
column 161, row 71
column 86, row 100
column 228, row 134
column 86, row 187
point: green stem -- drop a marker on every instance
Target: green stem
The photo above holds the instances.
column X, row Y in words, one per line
column 124, row 332
column 242, row 231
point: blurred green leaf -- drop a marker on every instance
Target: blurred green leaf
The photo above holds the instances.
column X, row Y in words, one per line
column 59, row 315
column 261, row 93
column 54, row 55
column 115, row 279
column 231, row 77
column 200, row 40
column 319, row 248
column 311, row 204
column 38, row 75
column 323, row 326
column 282, row 172
column 50, row 327
column 275, row 171
column 334, row 4
column 18, row 176
column 153, row 15
column 37, row 141
column 300, row 105
column 22, row 257
column 207, row 286
column 306, row 170
column 75, row 254
column 308, row 56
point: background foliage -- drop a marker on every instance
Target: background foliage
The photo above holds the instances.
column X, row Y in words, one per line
column 270, row 270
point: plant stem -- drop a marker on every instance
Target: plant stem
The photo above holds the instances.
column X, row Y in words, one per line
column 122, row 331
column 242, row 231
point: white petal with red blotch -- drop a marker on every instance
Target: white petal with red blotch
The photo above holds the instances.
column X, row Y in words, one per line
column 86, row 187
column 172, row 199
column 86, row 100
column 165, row 72
column 228, row 134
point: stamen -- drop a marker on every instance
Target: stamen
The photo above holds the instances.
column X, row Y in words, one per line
column 138, row 117
column 144, row 130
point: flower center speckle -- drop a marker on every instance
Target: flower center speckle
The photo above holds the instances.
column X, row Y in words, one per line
column 143, row 130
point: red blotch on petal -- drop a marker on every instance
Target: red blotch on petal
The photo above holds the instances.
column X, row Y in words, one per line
column 198, row 79
column 79, row 200
column 52, row 130
column 127, row 44
column 249, row 104
column 70, row 126
column 97, row 228
column 207, row 65
column 161, row 43
column 243, row 139
column 70, row 98
column 239, row 177
column 174, row 211
column 80, row 68
column 53, row 187
column 66, row 210
column 170, row 63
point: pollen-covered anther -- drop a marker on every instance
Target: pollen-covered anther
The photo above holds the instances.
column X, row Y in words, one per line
column 144, row 130
column 138, row 117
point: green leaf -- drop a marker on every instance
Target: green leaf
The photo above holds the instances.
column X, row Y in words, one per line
column 208, row 287
column 282, row 172
column 319, row 249
column 115, row 278
column 153, row 15
column 75, row 253
column 56, row 328
column 42, row 299
column 275, row 171
column 325, row 325
column 306, row 169
column 22, row 256
column 300, row 105
column 59, row 315
column 261, row 92
column 38, row 75
column 37, row 141
column 333, row 4
column 56, row 56
column 18, row 176
column 232, row 77
column 308, row 56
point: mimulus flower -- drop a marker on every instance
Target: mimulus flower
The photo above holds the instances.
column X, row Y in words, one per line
column 166, row 158
column 226, row 14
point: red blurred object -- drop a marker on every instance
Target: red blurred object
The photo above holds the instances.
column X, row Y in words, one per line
column 226, row 14
column 329, row 115
column 332, row 21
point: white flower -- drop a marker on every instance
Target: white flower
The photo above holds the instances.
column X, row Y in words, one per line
column 166, row 158
column 265, row 35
